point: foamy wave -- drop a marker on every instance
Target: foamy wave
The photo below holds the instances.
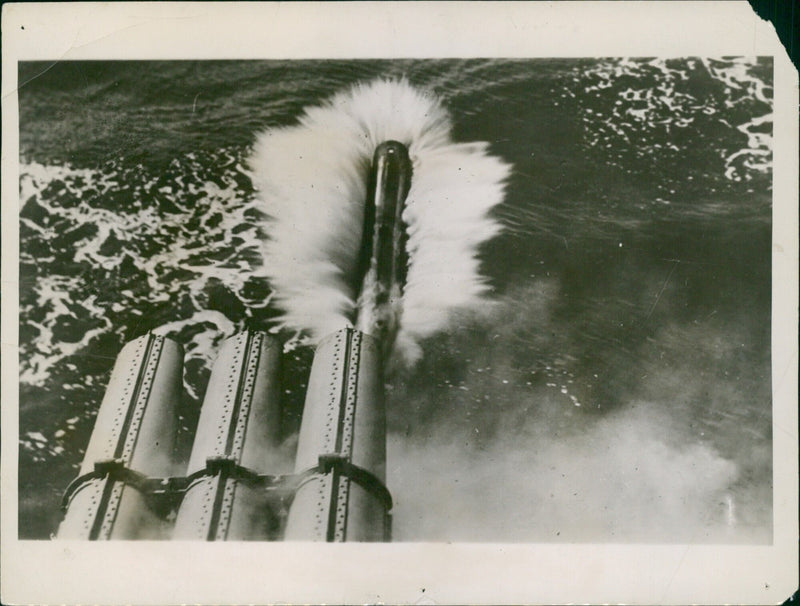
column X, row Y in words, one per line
column 663, row 99
column 53, row 296
column 313, row 180
column 741, row 85
column 207, row 238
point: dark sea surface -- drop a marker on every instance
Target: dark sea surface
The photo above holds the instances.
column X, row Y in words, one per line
column 619, row 388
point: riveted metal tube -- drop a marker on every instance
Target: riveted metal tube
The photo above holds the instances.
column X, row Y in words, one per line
column 136, row 425
column 344, row 415
column 240, row 420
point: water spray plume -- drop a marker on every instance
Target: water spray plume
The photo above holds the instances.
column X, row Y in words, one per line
column 313, row 179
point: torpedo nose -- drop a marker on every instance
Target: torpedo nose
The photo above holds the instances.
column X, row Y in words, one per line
column 390, row 147
column 384, row 257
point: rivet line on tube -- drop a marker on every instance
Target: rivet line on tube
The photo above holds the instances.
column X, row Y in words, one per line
column 344, row 416
column 136, row 426
column 239, row 422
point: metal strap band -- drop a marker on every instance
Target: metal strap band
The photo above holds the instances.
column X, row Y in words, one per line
column 364, row 478
column 116, row 471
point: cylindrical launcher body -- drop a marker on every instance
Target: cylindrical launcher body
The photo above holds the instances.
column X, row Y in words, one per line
column 239, row 421
column 136, row 425
column 344, row 415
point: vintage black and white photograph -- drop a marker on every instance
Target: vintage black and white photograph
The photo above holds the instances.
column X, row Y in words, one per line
column 570, row 305
column 426, row 300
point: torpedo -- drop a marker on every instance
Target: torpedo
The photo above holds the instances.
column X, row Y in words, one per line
column 384, row 258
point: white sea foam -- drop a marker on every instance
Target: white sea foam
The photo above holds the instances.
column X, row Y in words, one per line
column 184, row 251
column 671, row 104
column 312, row 178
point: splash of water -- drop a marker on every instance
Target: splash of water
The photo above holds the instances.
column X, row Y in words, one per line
column 312, row 179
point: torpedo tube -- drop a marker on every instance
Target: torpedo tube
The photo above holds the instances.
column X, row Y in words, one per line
column 343, row 442
column 238, row 429
column 133, row 438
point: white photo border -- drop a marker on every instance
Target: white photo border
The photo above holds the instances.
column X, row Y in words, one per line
column 66, row 572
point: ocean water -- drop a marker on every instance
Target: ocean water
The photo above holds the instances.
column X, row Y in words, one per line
column 613, row 383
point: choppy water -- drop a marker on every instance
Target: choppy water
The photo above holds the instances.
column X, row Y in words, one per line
column 617, row 389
